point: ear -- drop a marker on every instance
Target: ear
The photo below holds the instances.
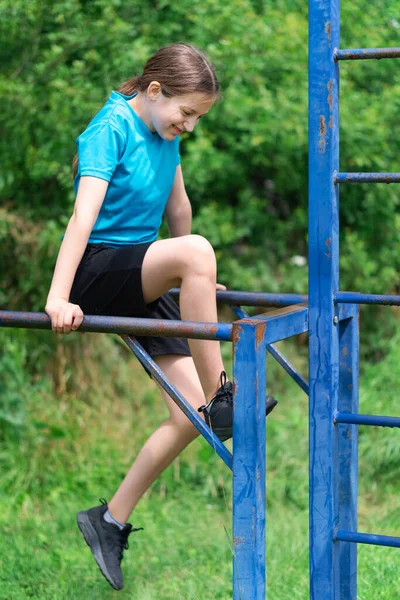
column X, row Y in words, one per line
column 154, row 90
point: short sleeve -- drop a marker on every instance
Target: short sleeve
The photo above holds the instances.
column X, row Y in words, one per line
column 100, row 148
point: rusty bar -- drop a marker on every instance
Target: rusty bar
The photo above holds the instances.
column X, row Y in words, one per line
column 366, row 177
column 366, row 53
column 254, row 298
column 357, row 298
column 127, row 325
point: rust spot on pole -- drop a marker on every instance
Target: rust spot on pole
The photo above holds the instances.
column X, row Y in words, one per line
column 328, row 244
column 328, row 29
column 237, row 540
column 345, row 351
column 260, row 333
column 236, row 331
column 330, row 88
column 322, row 134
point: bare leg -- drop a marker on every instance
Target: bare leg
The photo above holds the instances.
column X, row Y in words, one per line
column 164, row 445
column 188, row 261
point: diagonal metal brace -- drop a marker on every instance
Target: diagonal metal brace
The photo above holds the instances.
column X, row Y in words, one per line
column 177, row 397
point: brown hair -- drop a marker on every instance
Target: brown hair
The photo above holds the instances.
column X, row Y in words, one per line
column 179, row 68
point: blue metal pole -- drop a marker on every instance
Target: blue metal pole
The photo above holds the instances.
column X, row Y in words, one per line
column 249, row 481
column 366, row 177
column 367, row 53
column 347, row 437
column 372, row 420
column 323, row 281
column 357, row 298
column 125, row 325
column 368, row 538
column 254, row 298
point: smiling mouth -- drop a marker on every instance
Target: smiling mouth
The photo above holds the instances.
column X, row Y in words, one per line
column 177, row 129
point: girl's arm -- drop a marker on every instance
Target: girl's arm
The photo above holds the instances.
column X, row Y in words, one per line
column 64, row 315
column 178, row 211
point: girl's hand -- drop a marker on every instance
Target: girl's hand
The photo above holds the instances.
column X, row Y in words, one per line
column 221, row 287
column 65, row 316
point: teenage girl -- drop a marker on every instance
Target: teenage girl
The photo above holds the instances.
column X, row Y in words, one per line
column 127, row 175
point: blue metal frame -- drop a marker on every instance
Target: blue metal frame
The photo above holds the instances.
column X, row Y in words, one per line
column 346, row 437
column 323, row 281
column 249, row 460
column 333, row 328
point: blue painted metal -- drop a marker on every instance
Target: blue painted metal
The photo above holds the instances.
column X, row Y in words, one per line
column 366, row 53
column 254, row 298
column 356, row 298
column 284, row 322
column 344, row 311
column 289, row 368
column 323, row 281
column 278, row 356
column 128, row 325
column 366, row 177
column 177, row 397
column 239, row 312
column 249, row 462
column 367, row 538
column 347, row 437
column 359, row 419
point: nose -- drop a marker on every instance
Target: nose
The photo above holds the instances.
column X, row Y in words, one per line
column 190, row 124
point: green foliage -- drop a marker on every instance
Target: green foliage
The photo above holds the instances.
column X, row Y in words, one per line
column 76, row 447
column 246, row 165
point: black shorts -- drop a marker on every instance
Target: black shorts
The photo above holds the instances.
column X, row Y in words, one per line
column 108, row 282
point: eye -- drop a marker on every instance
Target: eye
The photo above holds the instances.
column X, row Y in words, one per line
column 186, row 113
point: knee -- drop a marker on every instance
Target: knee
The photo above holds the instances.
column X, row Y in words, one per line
column 199, row 256
column 187, row 430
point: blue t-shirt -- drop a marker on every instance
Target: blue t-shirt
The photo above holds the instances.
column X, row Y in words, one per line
column 140, row 166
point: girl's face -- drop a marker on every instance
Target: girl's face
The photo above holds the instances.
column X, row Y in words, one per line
column 170, row 117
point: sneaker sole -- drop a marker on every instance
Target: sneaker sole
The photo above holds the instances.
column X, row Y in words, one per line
column 92, row 540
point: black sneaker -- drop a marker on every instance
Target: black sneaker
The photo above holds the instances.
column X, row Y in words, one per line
column 218, row 413
column 106, row 541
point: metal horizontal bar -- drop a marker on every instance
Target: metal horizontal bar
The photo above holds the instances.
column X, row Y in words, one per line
column 284, row 323
column 177, row 397
column 366, row 53
column 366, row 177
column 359, row 419
column 254, row 298
column 278, row 356
column 366, row 538
column 356, row 298
column 128, row 325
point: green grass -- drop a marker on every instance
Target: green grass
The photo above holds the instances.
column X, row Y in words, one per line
column 73, row 448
